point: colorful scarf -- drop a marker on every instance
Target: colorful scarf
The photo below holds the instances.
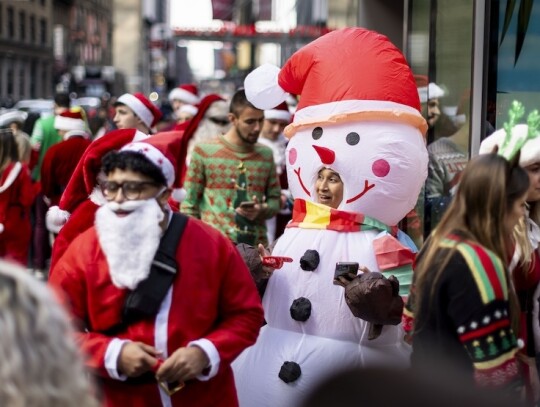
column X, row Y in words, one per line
column 391, row 248
column 311, row 215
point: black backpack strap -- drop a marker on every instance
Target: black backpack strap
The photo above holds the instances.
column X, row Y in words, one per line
column 144, row 301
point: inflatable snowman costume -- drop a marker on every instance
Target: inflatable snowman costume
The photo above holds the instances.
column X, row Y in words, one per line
column 359, row 116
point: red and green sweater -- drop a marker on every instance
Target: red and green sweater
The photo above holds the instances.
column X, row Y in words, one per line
column 464, row 317
column 211, row 185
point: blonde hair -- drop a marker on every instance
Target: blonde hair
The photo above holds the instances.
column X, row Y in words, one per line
column 521, row 238
column 41, row 365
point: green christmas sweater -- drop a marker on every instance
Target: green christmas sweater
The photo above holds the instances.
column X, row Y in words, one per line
column 220, row 176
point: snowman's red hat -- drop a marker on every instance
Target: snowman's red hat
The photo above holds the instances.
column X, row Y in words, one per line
column 364, row 78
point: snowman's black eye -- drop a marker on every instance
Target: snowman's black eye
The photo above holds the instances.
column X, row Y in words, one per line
column 352, row 139
column 317, row 133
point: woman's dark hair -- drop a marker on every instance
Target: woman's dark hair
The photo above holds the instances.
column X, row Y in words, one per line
column 518, row 184
column 488, row 188
column 133, row 161
column 31, row 119
column 8, row 149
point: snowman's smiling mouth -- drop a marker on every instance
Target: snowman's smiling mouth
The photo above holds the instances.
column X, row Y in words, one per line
column 297, row 172
column 367, row 187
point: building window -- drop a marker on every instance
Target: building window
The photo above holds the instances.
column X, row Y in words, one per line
column 9, row 77
column 441, row 59
column 11, row 22
column 32, row 29
column 22, row 26
column 33, row 75
column 43, row 31
column 513, row 62
column 22, row 82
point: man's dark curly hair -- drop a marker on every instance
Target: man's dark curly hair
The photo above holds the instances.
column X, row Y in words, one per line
column 133, row 161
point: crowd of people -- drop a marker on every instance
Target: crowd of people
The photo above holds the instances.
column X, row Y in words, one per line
column 248, row 251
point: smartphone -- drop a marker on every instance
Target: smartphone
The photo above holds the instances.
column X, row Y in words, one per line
column 343, row 268
column 247, row 204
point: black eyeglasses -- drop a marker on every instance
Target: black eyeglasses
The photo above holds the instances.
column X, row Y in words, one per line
column 130, row 189
column 219, row 121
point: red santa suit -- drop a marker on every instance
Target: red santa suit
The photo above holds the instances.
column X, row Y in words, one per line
column 59, row 164
column 212, row 299
column 80, row 220
column 17, row 193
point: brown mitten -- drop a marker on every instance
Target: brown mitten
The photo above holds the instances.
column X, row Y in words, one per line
column 375, row 299
column 252, row 259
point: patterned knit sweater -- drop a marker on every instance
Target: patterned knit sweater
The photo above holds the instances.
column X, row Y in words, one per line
column 463, row 320
column 211, row 185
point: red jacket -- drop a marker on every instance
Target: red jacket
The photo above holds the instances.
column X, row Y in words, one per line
column 80, row 220
column 213, row 297
column 17, row 193
column 58, row 165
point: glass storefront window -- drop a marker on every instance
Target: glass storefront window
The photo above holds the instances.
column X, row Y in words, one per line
column 514, row 62
column 439, row 49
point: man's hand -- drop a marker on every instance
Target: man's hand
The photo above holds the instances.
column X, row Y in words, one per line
column 184, row 364
column 267, row 271
column 137, row 358
column 252, row 212
column 345, row 279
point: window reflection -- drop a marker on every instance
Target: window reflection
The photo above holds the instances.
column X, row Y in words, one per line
column 441, row 55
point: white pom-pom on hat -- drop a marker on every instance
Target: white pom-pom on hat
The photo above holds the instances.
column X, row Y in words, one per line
column 178, row 194
column 262, row 88
column 56, row 218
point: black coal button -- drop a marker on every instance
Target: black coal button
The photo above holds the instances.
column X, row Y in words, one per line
column 290, row 372
column 310, row 260
column 301, row 309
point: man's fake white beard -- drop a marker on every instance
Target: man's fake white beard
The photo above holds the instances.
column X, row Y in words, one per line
column 129, row 242
column 207, row 130
column 97, row 197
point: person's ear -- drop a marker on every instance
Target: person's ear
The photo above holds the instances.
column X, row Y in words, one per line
column 164, row 197
column 232, row 117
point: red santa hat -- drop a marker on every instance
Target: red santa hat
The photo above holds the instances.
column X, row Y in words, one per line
column 280, row 112
column 163, row 150
column 377, row 84
column 189, row 109
column 84, row 178
column 187, row 93
column 72, row 119
column 432, row 91
column 142, row 107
